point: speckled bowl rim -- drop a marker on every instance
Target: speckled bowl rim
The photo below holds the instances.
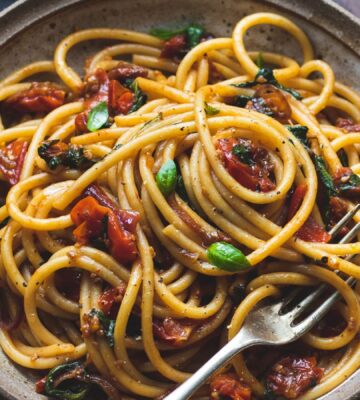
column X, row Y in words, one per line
column 325, row 14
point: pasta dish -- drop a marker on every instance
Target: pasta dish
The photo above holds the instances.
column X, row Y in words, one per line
column 150, row 201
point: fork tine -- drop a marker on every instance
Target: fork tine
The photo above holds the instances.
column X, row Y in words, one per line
column 351, row 234
column 336, row 229
column 305, row 303
column 308, row 300
column 320, row 312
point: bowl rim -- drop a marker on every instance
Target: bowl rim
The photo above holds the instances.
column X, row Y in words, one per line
column 22, row 14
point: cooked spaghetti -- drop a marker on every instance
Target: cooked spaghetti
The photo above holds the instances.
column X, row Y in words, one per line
column 151, row 204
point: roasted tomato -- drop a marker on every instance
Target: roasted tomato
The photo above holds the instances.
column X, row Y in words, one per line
column 98, row 88
column 41, row 97
column 125, row 70
column 40, row 385
column 98, row 219
column 174, row 47
column 348, row 125
column 110, row 299
column 121, row 99
column 12, row 159
column 230, row 387
column 172, row 331
column 292, row 376
column 270, row 101
column 255, row 172
column 311, row 231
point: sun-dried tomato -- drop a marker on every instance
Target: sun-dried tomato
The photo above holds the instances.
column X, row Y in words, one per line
column 292, row 376
column 270, row 101
column 347, row 124
column 41, row 97
column 173, row 331
column 125, row 70
column 12, row 158
column 110, row 299
column 255, row 176
column 310, row 231
column 174, row 47
column 229, row 386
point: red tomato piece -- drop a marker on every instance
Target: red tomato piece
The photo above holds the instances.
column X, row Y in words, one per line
column 254, row 177
column 173, row 331
column 111, row 297
column 12, row 158
column 98, row 217
column 174, row 47
column 121, row 99
column 347, row 124
column 40, row 385
column 41, row 97
column 229, row 386
column 125, row 70
column 311, row 231
column 292, row 376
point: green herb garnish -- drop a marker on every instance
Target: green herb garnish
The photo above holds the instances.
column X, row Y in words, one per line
column 210, row 110
column 243, row 153
column 193, row 33
column 300, row 132
column 107, row 324
column 266, row 75
column 98, row 117
column 227, row 257
column 75, row 391
column 140, row 97
column 166, row 178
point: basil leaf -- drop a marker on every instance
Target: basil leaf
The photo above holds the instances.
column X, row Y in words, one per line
column 300, row 132
column 140, row 97
column 166, row 34
column 98, row 117
column 77, row 391
column 243, row 153
column 241, row 101
column 324, row 175
column 352, row 183
column 166, row 177
column 227, row 257
column 193, row 35
column 266, row 75
column 210, row 110
column 260, row 60
column 107, row 324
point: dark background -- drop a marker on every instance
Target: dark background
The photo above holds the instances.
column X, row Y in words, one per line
column 352, row 5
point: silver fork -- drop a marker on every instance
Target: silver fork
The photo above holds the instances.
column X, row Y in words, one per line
column 270, row 324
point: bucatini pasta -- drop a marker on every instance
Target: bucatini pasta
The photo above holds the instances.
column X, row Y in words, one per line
column 149, row 205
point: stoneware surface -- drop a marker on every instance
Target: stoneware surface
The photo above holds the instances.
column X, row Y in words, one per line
column 30, row 29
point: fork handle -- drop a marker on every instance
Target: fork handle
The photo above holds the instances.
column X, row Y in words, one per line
column 233, row 347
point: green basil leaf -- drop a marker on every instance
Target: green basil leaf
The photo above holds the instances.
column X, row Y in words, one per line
column 193, row 35
column 243, row 153
column 241, row 101
column 166, row 177
column 300, row 132
column 227, row 257
column 98, row 116
column 324, row 175
column 140, row 97
column 210, row 110
column 352, row 183
column 260, row 60
column 77, row 391
column 166, row 34
column 266, row 75
column 107, row 324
